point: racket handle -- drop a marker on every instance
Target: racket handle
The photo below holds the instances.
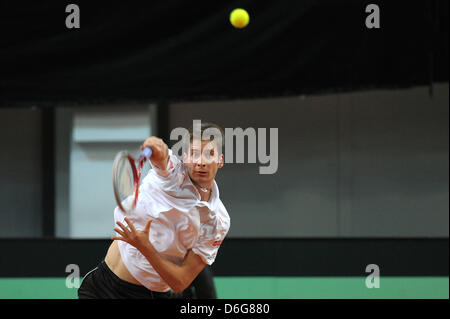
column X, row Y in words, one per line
column 146, row 153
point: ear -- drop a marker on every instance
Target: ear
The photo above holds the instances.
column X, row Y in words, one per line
column 221, row 160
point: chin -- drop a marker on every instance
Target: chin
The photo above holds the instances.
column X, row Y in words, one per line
column 203, row 181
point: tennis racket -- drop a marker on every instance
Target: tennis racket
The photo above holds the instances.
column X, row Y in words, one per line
column 127, row 175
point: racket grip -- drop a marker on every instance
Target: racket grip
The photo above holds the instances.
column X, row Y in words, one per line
column 146, row 153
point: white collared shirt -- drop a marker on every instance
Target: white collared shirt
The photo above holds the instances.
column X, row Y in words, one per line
column 182, row 221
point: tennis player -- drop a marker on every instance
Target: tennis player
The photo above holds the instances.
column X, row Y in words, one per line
column 176, row 229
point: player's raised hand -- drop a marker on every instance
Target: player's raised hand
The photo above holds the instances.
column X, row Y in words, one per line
column 136, row 238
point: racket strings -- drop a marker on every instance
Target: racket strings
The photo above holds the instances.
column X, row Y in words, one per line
column 128, row 175
column 125, row 178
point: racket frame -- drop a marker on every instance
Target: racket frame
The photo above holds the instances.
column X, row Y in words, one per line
column 137, row 171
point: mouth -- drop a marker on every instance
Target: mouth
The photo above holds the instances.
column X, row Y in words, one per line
column 201, row 173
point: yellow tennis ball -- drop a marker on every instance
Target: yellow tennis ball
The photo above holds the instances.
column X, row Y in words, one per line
column 239, row 18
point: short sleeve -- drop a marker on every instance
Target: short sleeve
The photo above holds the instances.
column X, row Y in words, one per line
column 172, row 164
column 170, row 178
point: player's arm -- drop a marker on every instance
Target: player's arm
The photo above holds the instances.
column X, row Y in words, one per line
column 160, row 153
column 178, row 277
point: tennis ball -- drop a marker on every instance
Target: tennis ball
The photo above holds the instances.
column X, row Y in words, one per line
column 239, row 18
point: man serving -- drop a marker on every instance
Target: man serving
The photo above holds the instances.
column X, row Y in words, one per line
column 176, row 229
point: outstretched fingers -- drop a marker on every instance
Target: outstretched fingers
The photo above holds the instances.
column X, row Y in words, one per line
column 124, row 229
column 131, row 235
column 130, row 224
column 147, row 225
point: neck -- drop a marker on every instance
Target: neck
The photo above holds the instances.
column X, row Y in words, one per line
column 202, row 187
column 205, row 192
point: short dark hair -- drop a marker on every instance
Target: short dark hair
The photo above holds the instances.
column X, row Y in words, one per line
column 208, row 125
column 204, row 126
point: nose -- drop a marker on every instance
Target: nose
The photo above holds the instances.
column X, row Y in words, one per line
column 200, row 161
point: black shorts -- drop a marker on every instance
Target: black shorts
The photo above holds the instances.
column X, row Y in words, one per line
column 102, row 283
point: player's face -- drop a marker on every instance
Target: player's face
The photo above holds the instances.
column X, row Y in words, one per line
column 203, row 161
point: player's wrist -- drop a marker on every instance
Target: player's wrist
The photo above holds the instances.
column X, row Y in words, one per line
column 146, row 248
column 162, row 169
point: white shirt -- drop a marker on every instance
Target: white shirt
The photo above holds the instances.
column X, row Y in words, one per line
column 181, row 222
